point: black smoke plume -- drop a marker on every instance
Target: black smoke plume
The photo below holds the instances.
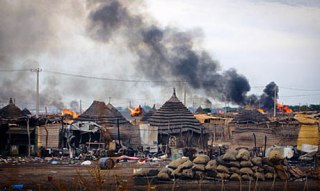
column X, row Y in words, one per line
column 164, row 53
column 270, row 92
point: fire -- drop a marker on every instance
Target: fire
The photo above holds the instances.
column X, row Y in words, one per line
column 69, row 112
column 136, row 111
column 283, row 108
column 261, row 111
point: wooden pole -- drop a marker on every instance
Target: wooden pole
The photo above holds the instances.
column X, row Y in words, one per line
column 29, row 141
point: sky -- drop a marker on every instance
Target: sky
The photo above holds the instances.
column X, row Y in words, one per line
column 82, row 59
column 264, row 40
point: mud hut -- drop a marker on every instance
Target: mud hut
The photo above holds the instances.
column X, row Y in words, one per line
column 176, row 125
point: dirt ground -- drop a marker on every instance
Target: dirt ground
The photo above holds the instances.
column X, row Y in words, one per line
column 76, row 177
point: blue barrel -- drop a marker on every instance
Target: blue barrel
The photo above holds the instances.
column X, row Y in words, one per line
column 17, row 187
column 106, row 163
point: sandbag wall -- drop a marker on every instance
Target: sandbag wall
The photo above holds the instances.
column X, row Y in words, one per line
column 234, row 165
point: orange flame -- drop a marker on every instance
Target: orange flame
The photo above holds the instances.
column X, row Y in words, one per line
column 283, row 108
column 261, row 111
column 136, row 111
column 69, row 112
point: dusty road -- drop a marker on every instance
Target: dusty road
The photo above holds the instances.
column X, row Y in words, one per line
column 76, row 177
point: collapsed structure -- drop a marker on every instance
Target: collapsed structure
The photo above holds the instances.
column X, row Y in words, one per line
column 252, row 128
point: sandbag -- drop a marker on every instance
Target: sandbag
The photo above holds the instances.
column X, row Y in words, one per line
column 246, row 170
column 268, row 168
column 246, row 163
column 222, row 169
column 257, row 161
column 220, row 160
column 166, row 170
column 269, row 175
column 275, row 156
column 163, row 176
column 174, row 164
column 246, row 177
column 266, row 161
column 201, row 159
column 281, row 173
column 199, row 174
column 176, row 173
column 243, row 154
column 223, row 175
column 185, row 165
column 230, row 155
column 234, row 170
column 187, row 173
column 259, row 176
column 198, row 167
column 257, row 169
column 211, row 165
column 233, row 164
column 235, row 176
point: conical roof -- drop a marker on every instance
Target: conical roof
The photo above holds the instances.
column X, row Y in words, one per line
column 25, row 112
column 147, row 115
column 101, row 113
column 250, row 116
column 200, row 111
column 174, row 117
column 11, row 111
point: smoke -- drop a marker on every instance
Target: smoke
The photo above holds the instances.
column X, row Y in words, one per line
column 267, row 98
column 75, row 106
column 208, row 103
column 29, row 30
column 164, row 53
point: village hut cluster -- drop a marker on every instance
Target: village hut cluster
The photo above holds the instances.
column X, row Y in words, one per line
column 197, row 143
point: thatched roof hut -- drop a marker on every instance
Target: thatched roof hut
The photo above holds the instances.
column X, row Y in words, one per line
column 146, row 116
column 250, row 117
column 11, row 111
column 101, row 113
column 25, row 112
column 200, row 111
column 174, row 119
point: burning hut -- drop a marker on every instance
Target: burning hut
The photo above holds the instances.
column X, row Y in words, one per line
column 176, row 125
column 103, row 114
column 112, row 123
column 14, row 131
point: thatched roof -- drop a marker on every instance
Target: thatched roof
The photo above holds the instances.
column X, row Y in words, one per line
column 147, row 115
column 11, row 111
column 200, row 111
column 101, row 113
column 174, row 117
column 250, row 116
column 25, row 112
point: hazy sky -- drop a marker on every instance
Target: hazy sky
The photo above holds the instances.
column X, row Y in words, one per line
column 263, row 40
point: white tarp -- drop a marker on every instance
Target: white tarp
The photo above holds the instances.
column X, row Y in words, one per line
column 309, row 148
column 84, row 127
column 149, row 137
